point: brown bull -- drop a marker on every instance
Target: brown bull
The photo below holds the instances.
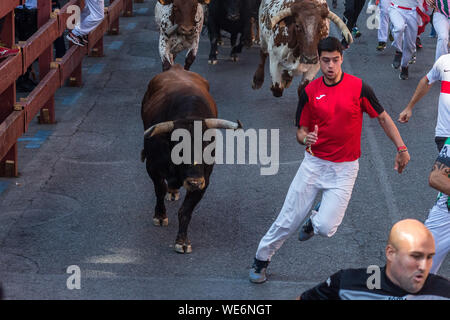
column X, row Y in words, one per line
column 177, row 99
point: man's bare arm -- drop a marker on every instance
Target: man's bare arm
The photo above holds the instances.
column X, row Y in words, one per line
column 439, row 177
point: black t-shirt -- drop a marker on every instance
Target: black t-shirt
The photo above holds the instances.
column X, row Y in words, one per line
column 351, row 284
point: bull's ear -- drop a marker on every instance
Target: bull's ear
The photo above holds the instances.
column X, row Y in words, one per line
column 164, row 2
column 204, row 1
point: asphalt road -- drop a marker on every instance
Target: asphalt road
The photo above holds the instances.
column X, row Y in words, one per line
column 84, row 198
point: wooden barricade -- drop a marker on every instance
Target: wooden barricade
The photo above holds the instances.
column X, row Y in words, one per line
column 15, row 117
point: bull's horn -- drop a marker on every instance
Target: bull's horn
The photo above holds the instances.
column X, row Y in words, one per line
column 280, row 16
column 171, row 30
column 341, row 25
column 162, row 127
column 214, row 123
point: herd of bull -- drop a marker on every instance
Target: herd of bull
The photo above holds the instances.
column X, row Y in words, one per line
column 289, row 32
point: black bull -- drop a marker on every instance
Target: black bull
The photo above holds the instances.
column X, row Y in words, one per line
column 174, row 100
column 233, row 16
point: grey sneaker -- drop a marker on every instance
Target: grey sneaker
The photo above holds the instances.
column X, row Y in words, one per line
column 257, row 273
column 307, row 229
column 397, row 60
column 404, row 73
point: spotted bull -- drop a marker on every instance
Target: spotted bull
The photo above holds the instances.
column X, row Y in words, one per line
column 180, row 23
column 290, row 31
column 174, row 100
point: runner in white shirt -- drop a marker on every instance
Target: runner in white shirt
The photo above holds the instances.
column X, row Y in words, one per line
column 440, row 71
column 403, row 16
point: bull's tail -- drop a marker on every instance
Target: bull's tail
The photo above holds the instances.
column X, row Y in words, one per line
column 142, row 155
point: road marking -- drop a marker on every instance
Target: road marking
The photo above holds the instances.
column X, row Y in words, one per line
column 96, row 68
column 115, row 45
column 70, row 100
column 3, row 186
column 39, row 138
column 130, row 26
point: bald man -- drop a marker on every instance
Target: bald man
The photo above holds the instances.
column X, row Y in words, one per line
column 409, row 256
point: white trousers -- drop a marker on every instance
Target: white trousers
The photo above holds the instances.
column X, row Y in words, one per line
column 442, row 27
column 335, row 179
column 92, row 14
column 438, row 223
column 404, row 30
column 383, row 30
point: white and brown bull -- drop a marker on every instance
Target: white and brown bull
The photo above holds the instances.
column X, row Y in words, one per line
column 290, row 31
column 180, row 23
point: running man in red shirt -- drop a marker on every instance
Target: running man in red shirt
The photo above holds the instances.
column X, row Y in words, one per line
column 329, row 116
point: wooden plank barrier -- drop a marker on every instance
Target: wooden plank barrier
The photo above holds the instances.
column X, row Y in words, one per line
column 15, row 117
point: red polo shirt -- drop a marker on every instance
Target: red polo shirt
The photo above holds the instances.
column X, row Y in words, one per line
column 338, row 112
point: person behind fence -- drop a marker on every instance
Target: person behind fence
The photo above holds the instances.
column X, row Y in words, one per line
column 438, row 221
column 406, row 275
column 26, row 25
column 91, row 16
column 25, row 19
column 329, row 117
column 59, row 44
column 4, row 51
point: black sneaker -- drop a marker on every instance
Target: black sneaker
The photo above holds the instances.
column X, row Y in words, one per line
column 306, row 231
column 381, row 46
column 418, row 44
column 355, row 32
column 404, row 73
column 397, row 60
column 257, row 273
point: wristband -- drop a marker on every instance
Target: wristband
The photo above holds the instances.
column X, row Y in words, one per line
column 304, row 141
column 402, row 149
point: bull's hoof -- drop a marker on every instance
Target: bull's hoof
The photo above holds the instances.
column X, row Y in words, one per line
column 183, row 248
column 161, row 222
column 234, row 58
column 212, row 61
column 220, row 42
column 173, row 196
column 257, row 84
column 276, row 91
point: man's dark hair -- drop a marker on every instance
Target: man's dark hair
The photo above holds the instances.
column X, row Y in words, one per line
column 329, row 44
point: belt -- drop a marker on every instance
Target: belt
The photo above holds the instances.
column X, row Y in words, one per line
column 400, row 7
